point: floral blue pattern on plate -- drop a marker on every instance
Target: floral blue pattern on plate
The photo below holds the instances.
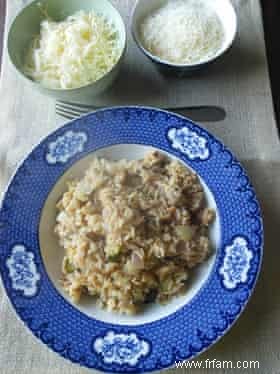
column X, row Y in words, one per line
column 22, row 270
column 189, row 330
column 236, row 263
column 121, row 348
column 66, row 146
column 189, row 143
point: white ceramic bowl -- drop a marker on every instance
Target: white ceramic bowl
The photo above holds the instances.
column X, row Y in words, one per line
column 223, row 8
column 53, row 255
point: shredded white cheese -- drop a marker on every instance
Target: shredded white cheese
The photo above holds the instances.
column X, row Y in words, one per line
column 72, row 53
column 183, row 32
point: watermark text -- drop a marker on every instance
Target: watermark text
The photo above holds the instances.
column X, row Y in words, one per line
column 217, row 364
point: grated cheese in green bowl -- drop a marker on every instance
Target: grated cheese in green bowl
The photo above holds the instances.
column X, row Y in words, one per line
column 72, row 53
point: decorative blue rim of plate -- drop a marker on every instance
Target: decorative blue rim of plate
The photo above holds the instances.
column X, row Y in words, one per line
column 122, row 348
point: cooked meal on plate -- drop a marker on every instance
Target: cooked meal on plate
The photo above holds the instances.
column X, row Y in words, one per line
column 183, row 32
column 74, row 52
column 132, row 231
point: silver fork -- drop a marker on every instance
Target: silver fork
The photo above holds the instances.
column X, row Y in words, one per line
column 204, row 113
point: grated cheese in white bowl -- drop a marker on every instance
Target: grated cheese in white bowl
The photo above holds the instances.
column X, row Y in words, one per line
column 183, row 32
column 72, row 53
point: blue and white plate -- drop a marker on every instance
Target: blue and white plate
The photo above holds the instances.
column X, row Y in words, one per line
column 30, row 259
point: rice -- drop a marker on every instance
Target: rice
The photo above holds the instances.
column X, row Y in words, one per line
column 132, row 231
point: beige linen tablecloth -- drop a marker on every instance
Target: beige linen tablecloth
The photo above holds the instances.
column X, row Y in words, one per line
column 239, row 83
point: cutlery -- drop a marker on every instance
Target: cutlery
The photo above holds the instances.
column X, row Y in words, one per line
column 203, row 113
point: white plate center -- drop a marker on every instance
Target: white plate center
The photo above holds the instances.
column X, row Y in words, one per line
column 52, row 253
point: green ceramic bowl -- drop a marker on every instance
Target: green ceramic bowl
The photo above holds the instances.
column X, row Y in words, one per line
column 27, row 24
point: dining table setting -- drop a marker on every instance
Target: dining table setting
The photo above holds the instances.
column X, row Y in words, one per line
column 215, row 117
